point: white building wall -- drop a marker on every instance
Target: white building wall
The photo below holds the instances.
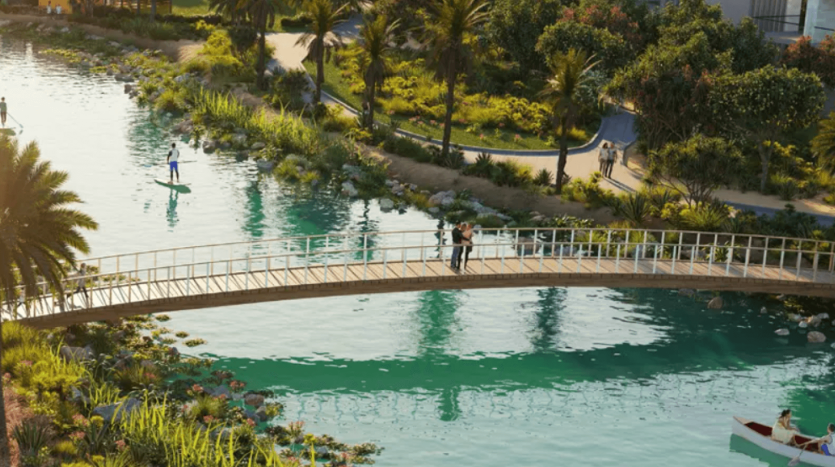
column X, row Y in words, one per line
column 820, row 19
column 734, row 10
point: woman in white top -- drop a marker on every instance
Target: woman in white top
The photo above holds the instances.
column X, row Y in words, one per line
column 783, row 431
column 602, row 157
column 611, row 156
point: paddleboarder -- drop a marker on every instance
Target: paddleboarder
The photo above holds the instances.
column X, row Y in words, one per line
column 173, row 156
column 3, row 108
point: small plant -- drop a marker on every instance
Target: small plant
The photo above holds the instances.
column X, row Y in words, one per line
column 182, row 334
column 32, row 437
column 543, row 177
column 194, row 342
column 162, row 318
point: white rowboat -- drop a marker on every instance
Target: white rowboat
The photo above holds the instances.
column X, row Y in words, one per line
column 760, row 435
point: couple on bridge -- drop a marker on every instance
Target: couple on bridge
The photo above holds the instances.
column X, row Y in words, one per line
column 462, row 241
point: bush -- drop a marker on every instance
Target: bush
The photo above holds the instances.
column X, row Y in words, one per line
column 288, row 90
column 242, row 37
column 702, row 217
column 407, row 147
column 543, row 177
column 589, row 192
column 336, row 121
column 299, row 21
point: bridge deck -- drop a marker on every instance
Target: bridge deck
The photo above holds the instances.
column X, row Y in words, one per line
column 109, row 300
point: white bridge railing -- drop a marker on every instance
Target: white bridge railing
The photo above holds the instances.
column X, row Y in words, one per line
column 130, row 278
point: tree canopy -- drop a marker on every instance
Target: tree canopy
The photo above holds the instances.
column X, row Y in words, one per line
column 515, row 26
column 611, row 50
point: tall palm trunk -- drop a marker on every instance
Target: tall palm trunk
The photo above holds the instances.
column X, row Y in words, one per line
column 371, row 89
column 262, row 52
column 320, row 68
column 563, row 159
column 5, row 453
column 452, row 72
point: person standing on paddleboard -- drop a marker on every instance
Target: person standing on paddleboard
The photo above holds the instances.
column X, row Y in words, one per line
column 3, row 109
column 173, row 156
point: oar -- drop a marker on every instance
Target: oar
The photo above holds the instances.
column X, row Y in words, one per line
column 796, row 460
column 15, row 120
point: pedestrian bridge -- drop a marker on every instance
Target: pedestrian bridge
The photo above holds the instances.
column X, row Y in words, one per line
column 357, row 263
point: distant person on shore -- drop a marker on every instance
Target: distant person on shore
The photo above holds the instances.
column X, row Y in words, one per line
column 467, row 241
column 602, row 156
column 173, row 157
column 783, row 431
column 49, row 8
column 457, row 237
column 58, row 10
column 611, row 157
column 3, row 108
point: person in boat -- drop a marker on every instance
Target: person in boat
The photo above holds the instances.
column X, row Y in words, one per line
column 173, row 156
column 3, row 108
column 783, row 431
column 826, row 444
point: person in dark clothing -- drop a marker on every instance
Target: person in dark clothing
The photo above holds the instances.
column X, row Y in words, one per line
column 457, row 236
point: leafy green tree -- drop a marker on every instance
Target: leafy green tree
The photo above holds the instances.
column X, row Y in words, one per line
column 670, row 88
column 695, row 168
column 631, row 20
column 823, row 144
column 570, row 78
column 611, row 50
column 262, row 14
column 38, row 232
column 515, row 26
column 231, row 9
column 377, row 35
column 321, row 36
column 764, row 104
column 448, row 35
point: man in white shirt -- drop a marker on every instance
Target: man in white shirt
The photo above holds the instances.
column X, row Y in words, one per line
column 173, row 156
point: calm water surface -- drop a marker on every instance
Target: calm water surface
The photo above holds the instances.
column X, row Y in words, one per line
column 581, row 376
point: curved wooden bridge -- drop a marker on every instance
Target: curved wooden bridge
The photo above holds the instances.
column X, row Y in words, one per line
column 385, row 262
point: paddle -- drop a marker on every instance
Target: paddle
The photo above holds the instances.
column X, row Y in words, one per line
column 796, row 460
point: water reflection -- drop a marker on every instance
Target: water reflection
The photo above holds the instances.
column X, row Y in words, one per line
column 171, row 212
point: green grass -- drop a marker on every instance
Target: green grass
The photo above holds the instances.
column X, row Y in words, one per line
column 339, row 88
column 190, row 7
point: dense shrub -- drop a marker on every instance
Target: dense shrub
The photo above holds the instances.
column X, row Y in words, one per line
column 515, row 26
column 809, row 58
column 288, row 90
column 611, row 50
column 299, row 21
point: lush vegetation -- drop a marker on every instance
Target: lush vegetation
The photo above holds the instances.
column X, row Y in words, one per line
column 159, row 27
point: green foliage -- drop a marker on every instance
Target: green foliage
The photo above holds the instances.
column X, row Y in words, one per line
column 611, row 50
column 172, row 100
column 32, row 437
column 288, row 90
column 194, row 342
column 589, row 192
column 502, row 173
column 696, row 167
column 823, row 145
column 765, row 104
column 515, row 26
column 543, row 177
column 407, row 147
column 704, row 217
column 335, row 120
column 636, row 208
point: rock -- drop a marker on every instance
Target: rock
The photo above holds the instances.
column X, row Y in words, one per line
column 816, row 337
column 538, row 218
column 221, row 390
column 225, row 145
column 781, row 297
column 209, row 145
column 114, row 44
column 258, row 146
column 254, row 400
column 686, row 292
column 386, row 204
column 803, row 325
column 118, row 410
column 351, row 170
column 265, row 165
column 128, row 88
column 181, row 78
column 442, row 198
column 239, row 139
column 250, row 414
column 77, row 396
column 94, row 37
column 172, row 351
column 794, row 317
column 64, row 30
column 389, row 183
column 782, row 332
column 822, row 316
column 348, row 189
column 813, row 321
column 413, row 187
column 434, row 210
column 715, row 303
column 76, row 353
column 261, row 413
column 123, row 78
column 763, row 311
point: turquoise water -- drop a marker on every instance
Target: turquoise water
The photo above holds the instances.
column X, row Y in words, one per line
column 580, row 376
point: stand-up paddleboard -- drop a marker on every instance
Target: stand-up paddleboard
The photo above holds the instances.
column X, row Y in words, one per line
column 181, row 187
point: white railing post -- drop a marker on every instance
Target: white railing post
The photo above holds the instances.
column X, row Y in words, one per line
column 365, row 257
column 481, row 251
column 306, row 259
column 782, row 258
column 747, row 256
column 267, row 272
column 327, row 241
column 228, row 270
column 188, row 281
column 730, row 256
column 385, row 262
column 712, row 254
column 287, row 263
column 799, row 258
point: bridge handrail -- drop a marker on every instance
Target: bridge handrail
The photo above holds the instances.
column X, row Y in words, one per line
column 446, row 231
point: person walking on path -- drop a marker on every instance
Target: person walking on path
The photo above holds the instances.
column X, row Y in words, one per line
column 467, row 241
column 173, row 156
column 611, row 157
column 602, row 157
column 3, row 110
column 457, row 237
column 80, row 284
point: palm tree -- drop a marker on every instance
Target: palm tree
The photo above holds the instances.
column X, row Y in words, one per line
column 823, row 145
column 228, row 9
column 39, row 233
column 321, row 36
column 569, row 81
column 449, row 25
column 262, row 14
column 376, row 37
